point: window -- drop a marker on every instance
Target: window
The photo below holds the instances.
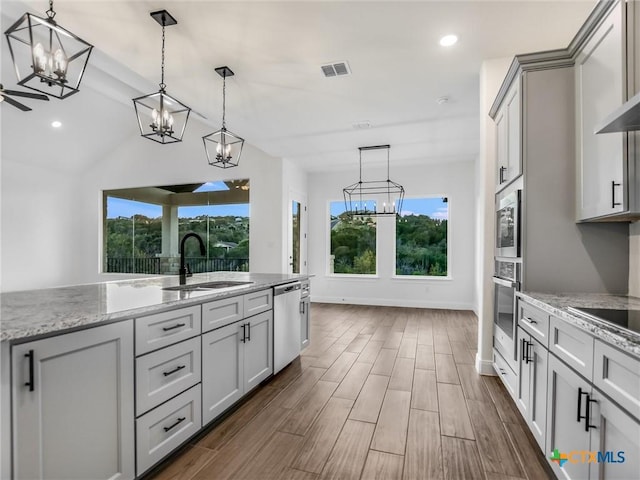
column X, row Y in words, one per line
column 353, row 242
column 421, row 237
column 143, row 227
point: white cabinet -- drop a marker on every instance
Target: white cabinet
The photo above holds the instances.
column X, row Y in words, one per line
column 566, row 417
column 305, row 322
column 601, row 88
column 531, row 394
column 508, row 138
column 73, row 414
column 235, row 359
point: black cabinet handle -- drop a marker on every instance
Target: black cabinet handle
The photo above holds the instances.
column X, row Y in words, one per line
column 502, row 170
column 249, row 334
column 30, row 383
column 522, row 356
column 614, row 204
column 528, row 355
column 580, row 393
column 177, row 325
column 529, row 320
column 301, row 307
column 177, row 369
column 244, row 333
column 178, row 422
column 587, row 417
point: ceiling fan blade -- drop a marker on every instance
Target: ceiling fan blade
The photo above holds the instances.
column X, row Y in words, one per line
column 11, row 101
column 15, row 93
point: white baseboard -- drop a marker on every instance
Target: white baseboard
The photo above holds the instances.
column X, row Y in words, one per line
column 393, row 302
column 484, row 367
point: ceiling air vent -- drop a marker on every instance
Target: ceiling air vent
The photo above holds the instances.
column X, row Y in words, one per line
column 336, row 69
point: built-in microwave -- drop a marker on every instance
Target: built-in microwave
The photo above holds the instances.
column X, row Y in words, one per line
column 508, row 225
column 506, row 282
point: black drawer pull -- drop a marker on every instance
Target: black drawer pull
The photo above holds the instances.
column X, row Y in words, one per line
column 30, row 383
column 178, row 422
column 177, row 369
column 529, row 320
column 177, row 325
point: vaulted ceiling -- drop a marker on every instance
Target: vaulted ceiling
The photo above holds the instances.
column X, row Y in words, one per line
column 279, row 99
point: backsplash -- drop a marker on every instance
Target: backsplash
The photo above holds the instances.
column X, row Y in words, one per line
column 634, row 259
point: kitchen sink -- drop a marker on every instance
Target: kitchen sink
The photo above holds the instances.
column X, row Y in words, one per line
column 208, row 286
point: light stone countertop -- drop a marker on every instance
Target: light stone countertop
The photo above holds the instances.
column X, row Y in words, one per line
column 558, row 304
column 34, row 313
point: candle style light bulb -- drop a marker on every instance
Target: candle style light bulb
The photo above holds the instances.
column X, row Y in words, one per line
column 39, row 59
column 60, row 64
column 154, row 118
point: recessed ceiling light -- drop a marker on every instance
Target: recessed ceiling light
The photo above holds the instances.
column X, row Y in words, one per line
column 448, row 40
column 56, row 124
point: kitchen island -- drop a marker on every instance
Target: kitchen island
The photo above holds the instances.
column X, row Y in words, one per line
column 107, row 379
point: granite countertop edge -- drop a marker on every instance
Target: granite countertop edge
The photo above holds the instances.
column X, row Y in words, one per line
column 557, row 305
column 26, row 315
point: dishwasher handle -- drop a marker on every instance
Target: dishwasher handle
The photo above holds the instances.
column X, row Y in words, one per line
column 287, row 288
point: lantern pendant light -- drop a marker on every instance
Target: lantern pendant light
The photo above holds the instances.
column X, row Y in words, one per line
column 161, row 117
column 223, row 148
column 46, row 57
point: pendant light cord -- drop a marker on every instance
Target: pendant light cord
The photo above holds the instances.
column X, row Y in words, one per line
column 162, row 84
column 224, row 95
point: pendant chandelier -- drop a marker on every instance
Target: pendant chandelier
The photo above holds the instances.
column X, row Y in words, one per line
column 46, row 57
column 373, row 198
column 161, row 117
column 223, row 148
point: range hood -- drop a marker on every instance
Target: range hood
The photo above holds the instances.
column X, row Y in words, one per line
column 626, row 118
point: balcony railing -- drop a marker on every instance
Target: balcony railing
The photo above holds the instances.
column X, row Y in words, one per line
column 165, row 265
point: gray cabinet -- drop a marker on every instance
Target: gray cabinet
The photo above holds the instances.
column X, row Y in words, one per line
column 235, row 359
column 305, row 325
column 601, row 86
column 531, row 394
column 72, row 400
column 566, row 409
column 508, row 128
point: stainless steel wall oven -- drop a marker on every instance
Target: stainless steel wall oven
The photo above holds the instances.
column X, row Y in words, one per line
column 508, row 225
column 506, row 283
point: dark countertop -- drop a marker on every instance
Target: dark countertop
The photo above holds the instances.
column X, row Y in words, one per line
column 34, row 313
column 558, row 304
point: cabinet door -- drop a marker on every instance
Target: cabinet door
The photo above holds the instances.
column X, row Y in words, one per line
column 600, row 89
column 305, row 317
column 538, row 390
column 73, row 410
column 523, row 391
column 222, row 367
column 565, row 430
column 258, row 354
column 617, row 437
column 514, row 157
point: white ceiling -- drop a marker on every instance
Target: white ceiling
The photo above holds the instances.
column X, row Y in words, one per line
column 279, row 100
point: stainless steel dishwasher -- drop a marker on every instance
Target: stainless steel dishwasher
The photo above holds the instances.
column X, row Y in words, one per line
column 286, row 325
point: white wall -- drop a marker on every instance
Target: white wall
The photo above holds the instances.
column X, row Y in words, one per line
column 492, row 74
column 455, row 181
column 294, row 185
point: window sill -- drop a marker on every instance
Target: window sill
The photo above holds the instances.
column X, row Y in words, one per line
column 355, row 276
column 413, row 278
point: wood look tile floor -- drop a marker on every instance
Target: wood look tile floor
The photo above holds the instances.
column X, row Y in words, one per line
column 381, row 393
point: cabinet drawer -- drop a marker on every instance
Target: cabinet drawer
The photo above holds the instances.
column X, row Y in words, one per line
column 165, row 373
column 162, row 329
column 222, row 312
column 258, row 302
column 573, row 346
column 161, row 430
column 534, row 321
column 505, row 373
column 618, row 375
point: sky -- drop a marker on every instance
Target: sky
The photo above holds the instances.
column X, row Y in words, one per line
column 433, row 207
column 118, row 207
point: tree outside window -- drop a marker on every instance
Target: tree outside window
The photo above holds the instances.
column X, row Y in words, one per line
column 422, row 236
column 353, row 242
